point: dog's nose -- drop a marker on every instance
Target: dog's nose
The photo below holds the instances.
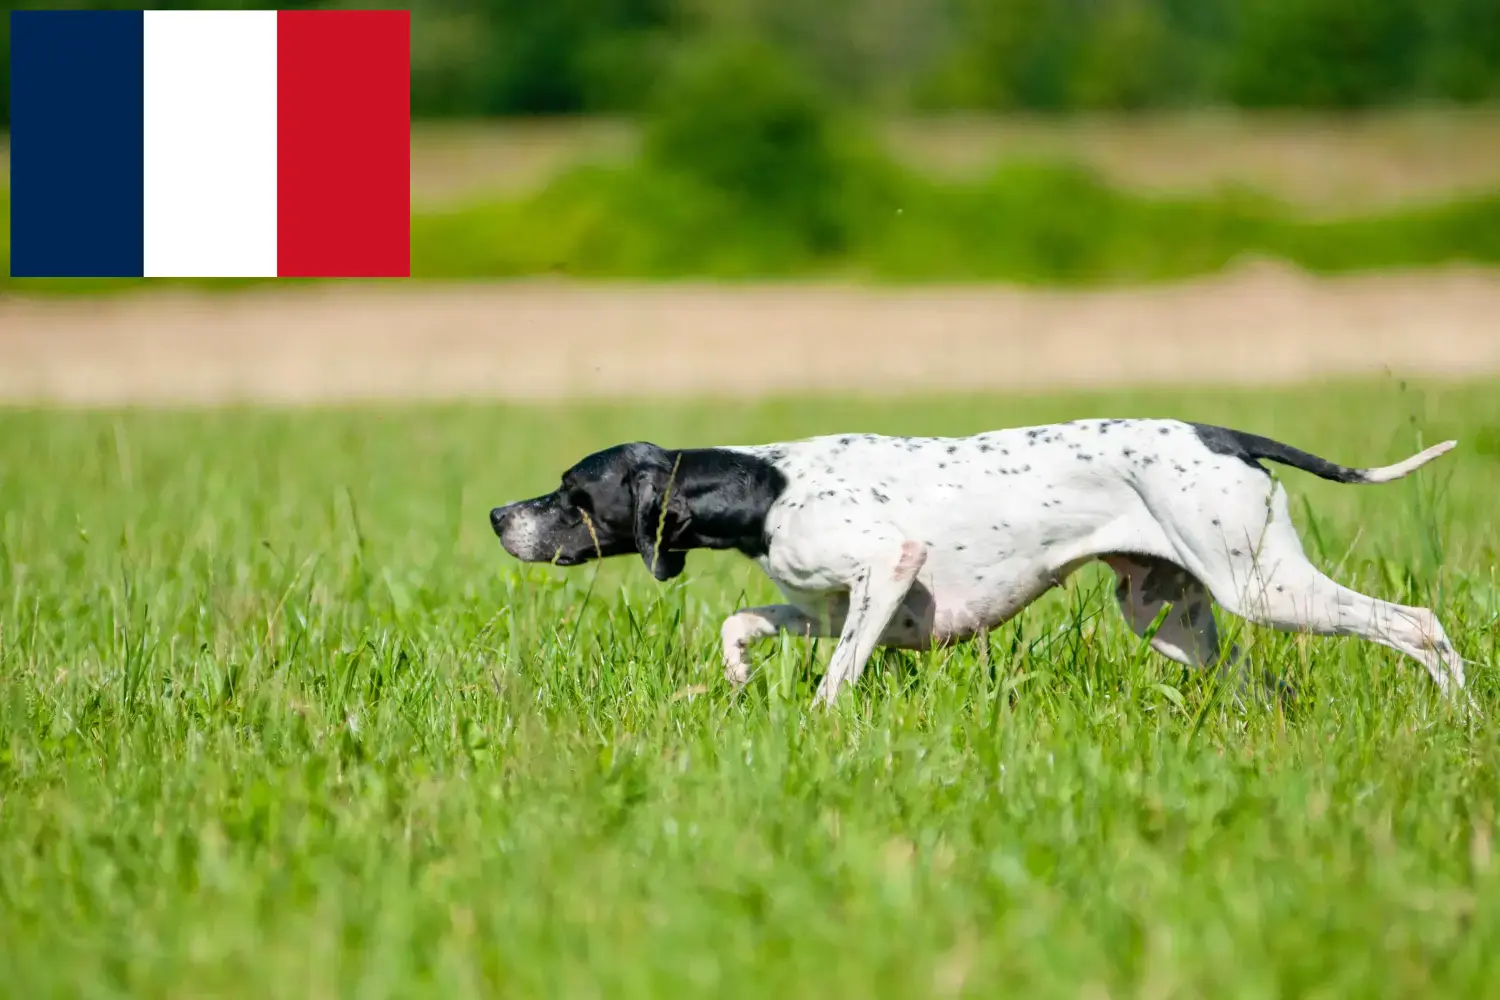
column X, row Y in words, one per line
column 497, row 518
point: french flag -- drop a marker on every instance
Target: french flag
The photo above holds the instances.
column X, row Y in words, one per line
column 228, row 144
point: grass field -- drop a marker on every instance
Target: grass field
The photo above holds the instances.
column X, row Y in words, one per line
column 280, row 719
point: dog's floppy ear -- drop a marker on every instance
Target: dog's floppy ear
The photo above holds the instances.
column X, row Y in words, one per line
column 661, row 514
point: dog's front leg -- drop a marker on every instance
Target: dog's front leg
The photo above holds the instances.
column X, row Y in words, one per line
column 875, row 593
column 754, row 624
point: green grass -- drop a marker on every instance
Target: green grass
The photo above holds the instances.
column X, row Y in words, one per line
column 278, row 718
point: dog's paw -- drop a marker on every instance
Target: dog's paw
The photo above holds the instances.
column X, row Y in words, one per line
column 736, row 668
column 732, row 637
column 737, row 672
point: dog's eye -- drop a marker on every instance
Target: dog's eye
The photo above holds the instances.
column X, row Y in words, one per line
column 579, row 499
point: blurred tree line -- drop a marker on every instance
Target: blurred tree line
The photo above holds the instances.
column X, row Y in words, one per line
column 520, row 57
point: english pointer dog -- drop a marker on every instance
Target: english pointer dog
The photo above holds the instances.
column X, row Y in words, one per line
column 908, row 542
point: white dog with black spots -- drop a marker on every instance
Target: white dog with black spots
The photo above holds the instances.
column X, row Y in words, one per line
column 908, row 542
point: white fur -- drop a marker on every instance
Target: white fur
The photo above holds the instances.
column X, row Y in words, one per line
column 908, row 542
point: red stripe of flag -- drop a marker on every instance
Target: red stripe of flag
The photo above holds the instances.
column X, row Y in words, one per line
column 343, row 143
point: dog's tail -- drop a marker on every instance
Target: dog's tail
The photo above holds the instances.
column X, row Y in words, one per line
column 1252, row 446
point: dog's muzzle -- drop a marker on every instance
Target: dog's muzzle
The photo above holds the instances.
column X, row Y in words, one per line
column 498, row 518
column 525, row 531
column 517, row 530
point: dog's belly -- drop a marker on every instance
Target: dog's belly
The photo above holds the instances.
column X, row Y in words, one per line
column 978, row 599
column 943, row 606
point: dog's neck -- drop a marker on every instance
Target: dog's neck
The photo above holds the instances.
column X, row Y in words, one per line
column 728, row 494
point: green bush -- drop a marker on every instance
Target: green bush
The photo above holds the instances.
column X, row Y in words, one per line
column 1325, row 53
column 743, row 125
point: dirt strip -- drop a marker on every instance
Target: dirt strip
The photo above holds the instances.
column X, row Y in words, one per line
column 549, row 340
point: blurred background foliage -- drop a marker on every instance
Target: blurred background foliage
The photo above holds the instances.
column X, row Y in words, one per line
column 758, row 149
column 483, row 58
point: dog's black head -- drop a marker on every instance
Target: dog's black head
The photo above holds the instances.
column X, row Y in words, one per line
column 614, row 502
column 639, row 498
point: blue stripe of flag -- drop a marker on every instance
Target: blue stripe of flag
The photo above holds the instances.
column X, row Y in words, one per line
column 77, row 143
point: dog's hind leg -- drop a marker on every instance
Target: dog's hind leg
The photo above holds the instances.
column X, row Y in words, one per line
column 1296, row 597
column 1188, row 634
column 1261, row 573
